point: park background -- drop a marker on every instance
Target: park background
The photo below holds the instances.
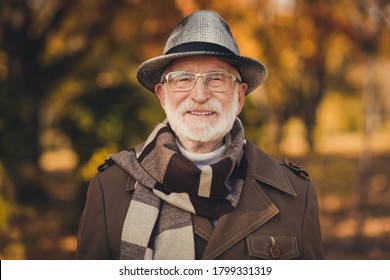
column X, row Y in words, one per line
column 69, row 97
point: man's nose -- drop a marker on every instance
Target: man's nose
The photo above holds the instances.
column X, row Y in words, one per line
column 200, row 93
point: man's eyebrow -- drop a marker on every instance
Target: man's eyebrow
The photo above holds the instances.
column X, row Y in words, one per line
column 217, row 69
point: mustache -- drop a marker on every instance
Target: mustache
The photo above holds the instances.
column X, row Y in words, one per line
column 190, row 105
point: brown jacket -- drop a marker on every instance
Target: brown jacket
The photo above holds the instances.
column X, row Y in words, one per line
column 277, row 216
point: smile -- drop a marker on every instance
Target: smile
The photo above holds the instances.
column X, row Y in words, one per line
column 197, row 113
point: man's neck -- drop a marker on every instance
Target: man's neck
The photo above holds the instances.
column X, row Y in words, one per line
column 200, row 147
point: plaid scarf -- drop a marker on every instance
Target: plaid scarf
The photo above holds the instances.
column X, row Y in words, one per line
column 169, row 188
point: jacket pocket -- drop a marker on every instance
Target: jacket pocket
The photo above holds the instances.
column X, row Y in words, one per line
column 272, row 246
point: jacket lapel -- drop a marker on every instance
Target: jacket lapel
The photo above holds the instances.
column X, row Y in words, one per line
column 254, row 208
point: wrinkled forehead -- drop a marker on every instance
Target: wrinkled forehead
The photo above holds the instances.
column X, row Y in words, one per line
column 201, row 64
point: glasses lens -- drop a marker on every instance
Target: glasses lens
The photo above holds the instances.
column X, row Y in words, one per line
column 181, row 81
column 219, row 81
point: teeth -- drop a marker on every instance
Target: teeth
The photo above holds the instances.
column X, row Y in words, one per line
column 201, row 113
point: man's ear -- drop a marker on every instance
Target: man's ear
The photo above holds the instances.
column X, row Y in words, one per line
column 160, row 92
column 241, row 96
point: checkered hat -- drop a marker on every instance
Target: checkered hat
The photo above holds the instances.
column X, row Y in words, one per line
column 202, row 33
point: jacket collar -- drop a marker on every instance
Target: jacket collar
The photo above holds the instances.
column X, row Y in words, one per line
column 254, row 209
column 266, row 169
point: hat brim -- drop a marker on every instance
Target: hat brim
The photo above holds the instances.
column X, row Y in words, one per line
column 252, row 72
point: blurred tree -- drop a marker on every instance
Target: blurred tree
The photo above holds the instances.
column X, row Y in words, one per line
column 309, row 46
column 368, row 26
column 296, row 41
column 63, row 62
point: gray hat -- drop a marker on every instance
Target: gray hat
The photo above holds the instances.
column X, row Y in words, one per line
column 202, row 33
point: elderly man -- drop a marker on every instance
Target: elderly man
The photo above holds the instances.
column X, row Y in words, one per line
column 196, row 188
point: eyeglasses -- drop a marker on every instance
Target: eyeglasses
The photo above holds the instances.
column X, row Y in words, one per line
column 182, row 81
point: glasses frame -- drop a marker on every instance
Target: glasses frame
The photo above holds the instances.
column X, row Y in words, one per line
column 197, row 75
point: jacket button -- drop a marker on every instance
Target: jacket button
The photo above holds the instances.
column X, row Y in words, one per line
column 274, row 250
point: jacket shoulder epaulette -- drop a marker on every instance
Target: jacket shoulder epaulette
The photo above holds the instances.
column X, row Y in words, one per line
column 107, row 163
column 297, row 169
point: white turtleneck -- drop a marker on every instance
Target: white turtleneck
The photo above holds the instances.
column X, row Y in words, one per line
column 201, row 160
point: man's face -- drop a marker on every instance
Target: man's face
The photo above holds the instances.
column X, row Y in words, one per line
column 201, row 115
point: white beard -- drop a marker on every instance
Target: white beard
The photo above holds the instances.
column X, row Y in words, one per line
column 202, row 131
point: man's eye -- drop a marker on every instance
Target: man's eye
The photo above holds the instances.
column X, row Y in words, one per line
column 184, row 79
column 216, row 78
